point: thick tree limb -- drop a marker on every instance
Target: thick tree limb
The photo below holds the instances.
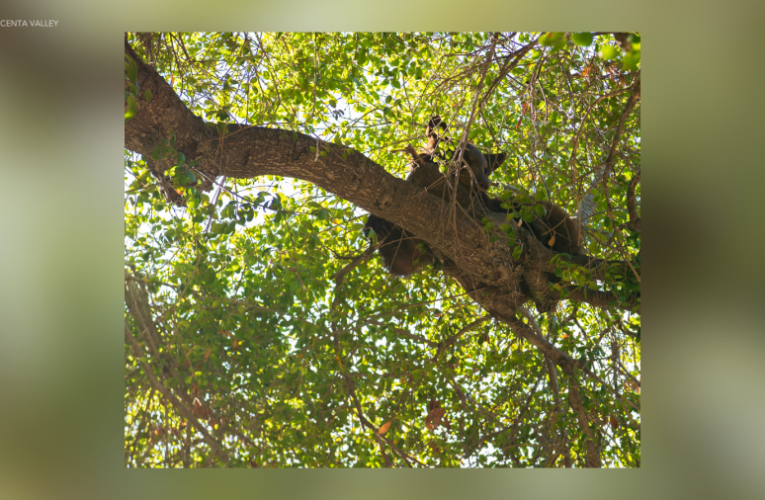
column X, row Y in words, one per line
column 256, row 151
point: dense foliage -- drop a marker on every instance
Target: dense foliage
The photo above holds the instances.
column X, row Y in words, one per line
column 259, row 334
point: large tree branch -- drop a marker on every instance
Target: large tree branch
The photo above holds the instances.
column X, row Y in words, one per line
column 255, row 151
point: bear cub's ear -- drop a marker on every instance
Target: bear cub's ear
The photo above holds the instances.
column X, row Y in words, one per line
column 495, row 160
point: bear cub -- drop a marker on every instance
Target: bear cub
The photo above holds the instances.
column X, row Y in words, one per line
column 403, row 253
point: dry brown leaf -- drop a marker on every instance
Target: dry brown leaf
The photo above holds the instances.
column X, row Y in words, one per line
column 614, row 422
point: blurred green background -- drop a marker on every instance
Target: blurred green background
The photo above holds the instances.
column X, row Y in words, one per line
column 61, row 203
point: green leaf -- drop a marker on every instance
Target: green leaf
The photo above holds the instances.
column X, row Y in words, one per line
column 217, row 228
column 630, row 61
column 582, row 39
column 527, row 214
column 608, row 52
column 159, row 152
column 549, row 39
column 132, row 108
column 147, row 95
column 131, row 69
